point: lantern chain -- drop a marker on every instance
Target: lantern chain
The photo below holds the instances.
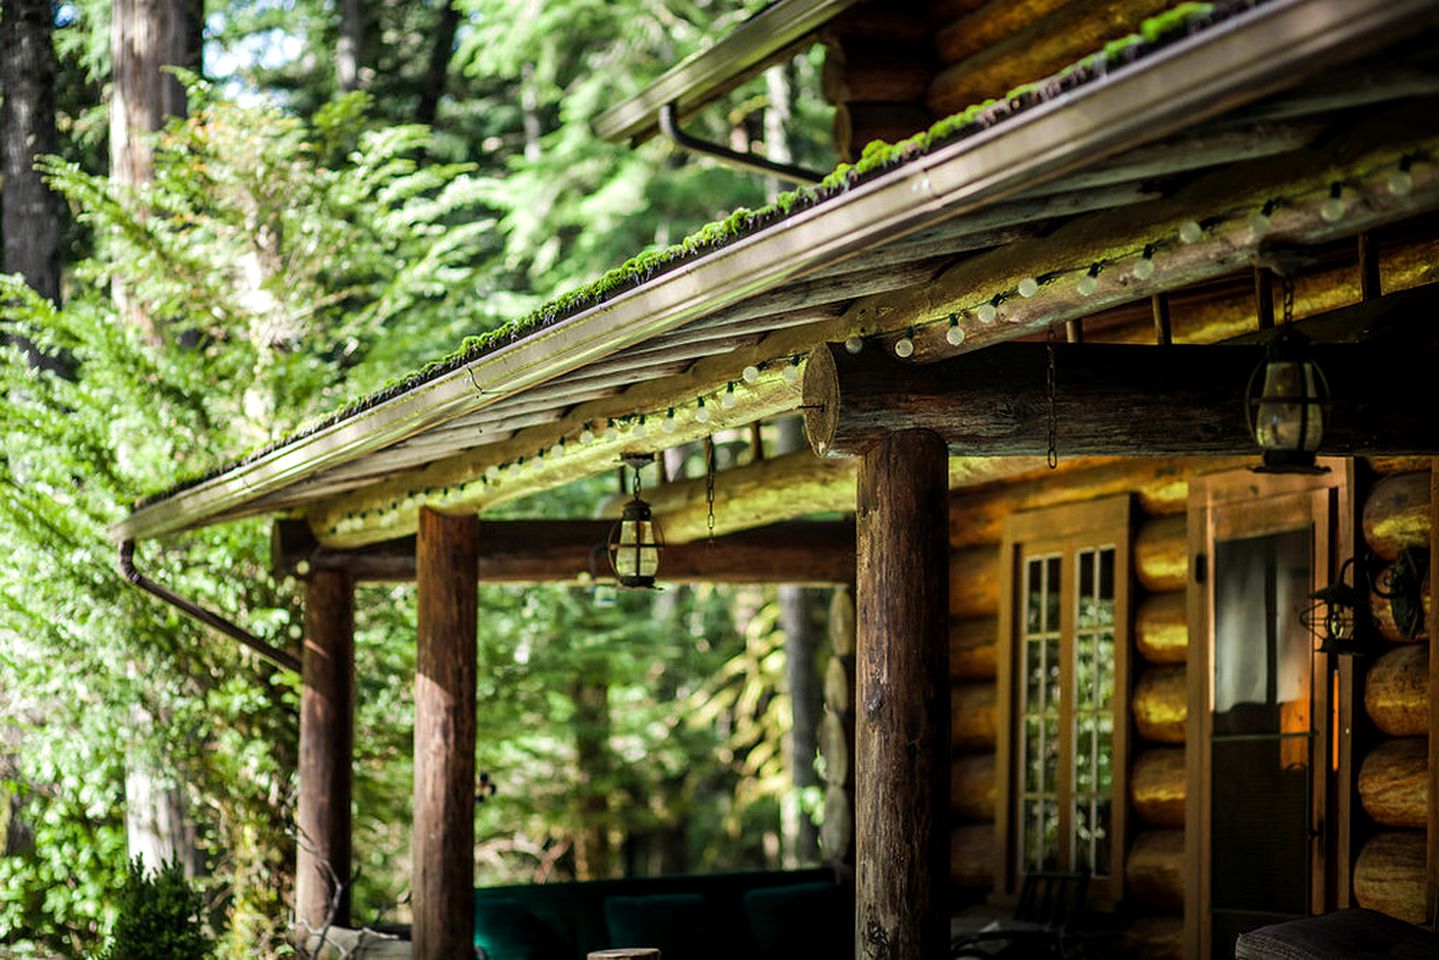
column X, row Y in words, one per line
column 710, row 487
column 1053, row 453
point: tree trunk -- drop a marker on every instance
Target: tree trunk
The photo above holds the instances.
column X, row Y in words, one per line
column 439, row 71
column 350, row 46
column 31, row 212
column 594, row 856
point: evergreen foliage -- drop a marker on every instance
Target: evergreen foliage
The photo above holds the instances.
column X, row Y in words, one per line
column 158, row 918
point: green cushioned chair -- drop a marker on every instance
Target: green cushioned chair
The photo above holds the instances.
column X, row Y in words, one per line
column 681, row 925
column 799, row 920
column 506, row 930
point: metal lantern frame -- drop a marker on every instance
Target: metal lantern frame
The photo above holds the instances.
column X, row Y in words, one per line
column 1338, row 616
column 1289, row 347
column 638, row 516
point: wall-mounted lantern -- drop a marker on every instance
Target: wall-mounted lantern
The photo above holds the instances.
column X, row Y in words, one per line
column 1338, row 616
column 1287, row 415
column 1341, row 615
column 1403, row 586
column 636, row 541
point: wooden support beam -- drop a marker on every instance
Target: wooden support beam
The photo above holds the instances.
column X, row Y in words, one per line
column 327, row 715
column 1124, row 400
column 442, row 845
column 1431, row 853
column 902, row 757
column 566, row 551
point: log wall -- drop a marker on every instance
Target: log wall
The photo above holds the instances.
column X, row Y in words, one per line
column 1394, row 778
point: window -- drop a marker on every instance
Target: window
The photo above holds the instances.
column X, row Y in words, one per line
column 1064, row 685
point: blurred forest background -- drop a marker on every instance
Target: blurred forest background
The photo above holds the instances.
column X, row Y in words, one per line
column 329, row 194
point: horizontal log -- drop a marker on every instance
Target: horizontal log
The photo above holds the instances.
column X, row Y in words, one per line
column 1161, row 488
column 880, row 20
column 1154, row 938
column 973, row 645
column 1161, row 554
column 1116, row 399
column 876, row 72
column 972, row 786
column 1044, row 47
column 841, row 623
column 553, row 551
column 838, row 685
column 972, row 850
column 1388, row 466
column 1394, row 782
column 836, row 831
column 974, row 582
column 1396, row 691
column 1389, row 875
column 988, row 25
column 1154, row 870
column 338, row 943
column 1161, row 704
column 1158, row 786
column 836, row 748
column 857, row 124
column 973, row 724
column 1396, row 514
column 1382, row 609
column 1161, row 627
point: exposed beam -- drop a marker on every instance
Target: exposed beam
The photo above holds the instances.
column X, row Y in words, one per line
column 568, row 551
column 1120, row 399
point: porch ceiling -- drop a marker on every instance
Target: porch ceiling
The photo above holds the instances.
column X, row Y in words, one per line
column 892, row 252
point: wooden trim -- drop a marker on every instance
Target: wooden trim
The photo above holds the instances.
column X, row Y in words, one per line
column 1064, row 529
column 1432, row 854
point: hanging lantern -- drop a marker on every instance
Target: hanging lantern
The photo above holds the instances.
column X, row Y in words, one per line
column 1339, row 617
column 635, row 541
column 1287, row 415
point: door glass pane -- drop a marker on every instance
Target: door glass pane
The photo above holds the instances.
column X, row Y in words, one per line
column 1259, row 753
column 1093, row 696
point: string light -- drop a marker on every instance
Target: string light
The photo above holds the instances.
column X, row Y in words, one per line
column 954, row 336
column 727, row 399
column 1089, row 282
column 1260, row 222
column 1332, row 209
column 1401, row 181
column 587, row 435
column 1028, row 287
column 1144, row 269
column 640, row 429
column 790, row 373
column 668, row 425
column 702, row 412
column 904, row 346
column 854, row 343
column 987, row 312
column 750, row 373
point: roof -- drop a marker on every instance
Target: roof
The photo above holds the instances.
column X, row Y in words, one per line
column 669, row 327
column 768, row 36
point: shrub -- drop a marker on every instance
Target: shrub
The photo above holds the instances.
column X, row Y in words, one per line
column 158, row 918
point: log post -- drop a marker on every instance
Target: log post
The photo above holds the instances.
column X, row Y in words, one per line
column 327, row 715
column 902, row 765
column 444, row 828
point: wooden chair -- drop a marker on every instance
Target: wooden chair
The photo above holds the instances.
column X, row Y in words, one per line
column 1048, row 906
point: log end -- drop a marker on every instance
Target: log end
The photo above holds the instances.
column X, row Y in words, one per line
column 820, row 394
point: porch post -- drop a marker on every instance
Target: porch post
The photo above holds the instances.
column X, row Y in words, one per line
column 442, row 847
column 902, row 755
column 327, row 697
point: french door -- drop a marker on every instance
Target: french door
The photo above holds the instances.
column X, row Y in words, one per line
column 1263, row 748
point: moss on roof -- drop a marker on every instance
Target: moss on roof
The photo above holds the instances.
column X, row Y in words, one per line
column 877, row 159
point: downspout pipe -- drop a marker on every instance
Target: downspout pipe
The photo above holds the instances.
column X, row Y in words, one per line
column 281, row 659
column 670, row 127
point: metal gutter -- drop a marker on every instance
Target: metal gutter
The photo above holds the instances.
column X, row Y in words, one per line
column 702, row 76
column 1204, row 75
column 280, row 658
column 670, row 126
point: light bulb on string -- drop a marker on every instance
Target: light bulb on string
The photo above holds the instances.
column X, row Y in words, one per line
column 668, row 425
column 1260, row 222
column 702, row 412
column 640, row 429
column 854, row 343
column 728, row 399
column 954, row 336
column 791, row 371
column 1089, row 282
column 1144, row 269
column 1028, row 287
column 987, row 313
column 904, row 346
column 1332, row 209
column 1401, row 181
column 587, row 435
column 750, row 374
column 1190, row 232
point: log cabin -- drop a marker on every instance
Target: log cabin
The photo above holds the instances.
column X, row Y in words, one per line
column 1025, row 337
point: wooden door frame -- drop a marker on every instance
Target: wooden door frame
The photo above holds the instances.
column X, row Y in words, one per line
column 1325, row 500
